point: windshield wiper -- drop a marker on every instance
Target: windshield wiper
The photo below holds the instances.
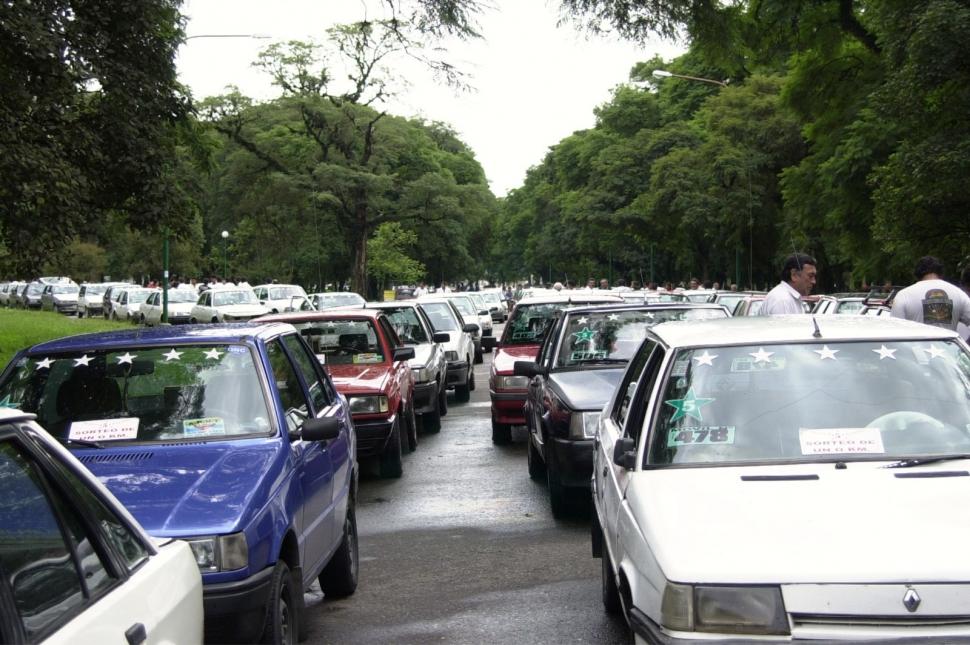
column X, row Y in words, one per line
column 920, row 461
column 84, row 443
column 603, row 361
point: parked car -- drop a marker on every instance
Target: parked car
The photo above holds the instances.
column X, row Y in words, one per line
column 429, row 365
column 232, row 438
column 840, row 303
column 581, row 360
column 226, row 304
column 331, row 299
column 77, row 567
column 127, row 304
column 459, row 349
column 61, row 298
column 180, row 303
column 110, row 295
column 730, row 299
column 797, row 448
column 90, row 298
column 484, row 314
column 369, row 365
column 30, row 296
column 280, row 297
column 7, row 293
column 749, row 305
column 497, row 306
column 470, row 313
column 524, row 333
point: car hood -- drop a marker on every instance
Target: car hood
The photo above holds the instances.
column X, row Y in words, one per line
column 243, row 310
column 180, row 308
column 422, row 355
column 360, row 378
column 586, row 389
column 65, row 297
column 860, row 524
column 196, row 489
column 505, row 356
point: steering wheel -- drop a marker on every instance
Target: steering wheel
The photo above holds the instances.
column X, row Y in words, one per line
column 900, row 419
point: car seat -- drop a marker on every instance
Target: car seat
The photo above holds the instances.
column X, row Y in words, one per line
column 88, row 397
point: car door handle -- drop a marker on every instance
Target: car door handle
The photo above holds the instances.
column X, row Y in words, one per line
column 135, row 635
column 605, row 470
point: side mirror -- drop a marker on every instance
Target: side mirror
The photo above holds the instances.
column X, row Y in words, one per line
column 489, row 342
column 471, row 328
column 484, row 312
column 321, row 429
column 441, row 337
column 625, row 453
column 528, row 368
column 403, row 353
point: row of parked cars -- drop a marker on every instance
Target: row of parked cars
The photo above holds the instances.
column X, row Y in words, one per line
column 233, row 448
column 748, row 474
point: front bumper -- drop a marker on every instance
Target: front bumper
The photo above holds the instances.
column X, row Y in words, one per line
column 66, row 308
column 238, row 596
column 372, row 435
column 574, row 461
column 179, row 320
column 508, row 406
column 457, row 373
column 424, row 397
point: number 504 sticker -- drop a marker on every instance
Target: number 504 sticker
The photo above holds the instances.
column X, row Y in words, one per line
column 699, row 435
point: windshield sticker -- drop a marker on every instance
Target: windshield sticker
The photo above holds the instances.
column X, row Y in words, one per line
column 744, row 364
column 368, row 358
column 44, row 364
column 127, row 357
column 238, row 349
column 213, row 353
column 705, row 359
column 591, row 355
column 826, row 353
column 104, row 429
column 6, row 402
column 204, row 427
column 584, row 336
column 680, row 368
column 761, row 356
column 173, row 355
column 524, row 335
column 700, row 435
column 84, row 360
column 885, row 352
column 689, row 406
column 934, row 352
column 840, row 441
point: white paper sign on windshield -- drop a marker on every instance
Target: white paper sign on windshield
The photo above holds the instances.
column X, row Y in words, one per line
column 841, row 441
column 104, row 429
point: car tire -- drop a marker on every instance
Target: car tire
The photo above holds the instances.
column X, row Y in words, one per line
column 193, row 321
column 339, row 578
column 282, row 618
column 610, row 592
column 391, row 466
column 557, row 492
column 501, row 433
column 431, row 421
column 471, row 380
column 80, row 313
column 412, row 429
column 479, row 356
column 442, row 399
column 463, row 392
column 537, row 467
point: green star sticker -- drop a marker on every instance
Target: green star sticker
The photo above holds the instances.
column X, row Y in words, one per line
column 689, row 406
column 5, row 402
column 585, row 335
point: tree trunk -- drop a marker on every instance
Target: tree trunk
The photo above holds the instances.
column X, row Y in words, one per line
column 359, row 276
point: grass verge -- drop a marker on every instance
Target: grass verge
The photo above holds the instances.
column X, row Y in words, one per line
column 20, row 329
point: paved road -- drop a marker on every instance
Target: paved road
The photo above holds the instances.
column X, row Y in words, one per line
column 463, row 549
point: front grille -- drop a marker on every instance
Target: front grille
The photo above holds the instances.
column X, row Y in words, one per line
column 830, row 620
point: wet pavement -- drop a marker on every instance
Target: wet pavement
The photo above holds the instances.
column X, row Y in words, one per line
column 464, row 549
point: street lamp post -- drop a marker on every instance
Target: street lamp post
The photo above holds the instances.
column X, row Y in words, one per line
column 225, row 255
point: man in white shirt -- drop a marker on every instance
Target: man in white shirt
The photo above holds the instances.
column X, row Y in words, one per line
column 797, row 280
column 932, row 300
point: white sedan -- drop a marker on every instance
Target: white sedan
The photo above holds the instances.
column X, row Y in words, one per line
column 227, row 304
column 127, row 304
column 180, row 303
column 788, row 479
column 79, row 568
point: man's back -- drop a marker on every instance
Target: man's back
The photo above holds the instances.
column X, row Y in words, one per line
column 933, row 302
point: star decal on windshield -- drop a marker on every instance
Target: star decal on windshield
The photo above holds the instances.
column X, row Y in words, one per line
column 934, row 351
column 582, row 321
column 213, row 353
column 585, row 335
column 127, row 357
column 706, row 358
column 84, row 360
column 173, row 355
column 826, row 353
column 689, row 406
column 44, row 364
column 761, row 356
column 612, row 317
column 5, row 402
column 885, row 352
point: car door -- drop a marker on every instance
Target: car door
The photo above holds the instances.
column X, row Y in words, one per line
column 627, row 412
column 402, row 369
column 538, row 399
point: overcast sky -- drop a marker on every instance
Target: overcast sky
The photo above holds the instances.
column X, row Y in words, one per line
column 534, row 83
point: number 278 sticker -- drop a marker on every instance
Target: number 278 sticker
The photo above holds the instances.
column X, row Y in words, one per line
column 700, row 435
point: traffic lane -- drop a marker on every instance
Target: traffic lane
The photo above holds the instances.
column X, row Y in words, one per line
column 463, row 548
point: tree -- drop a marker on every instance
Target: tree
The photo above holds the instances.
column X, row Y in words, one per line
column 389, row 260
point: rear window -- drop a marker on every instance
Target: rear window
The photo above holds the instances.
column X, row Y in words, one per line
column 343, row 342
column 142, row 394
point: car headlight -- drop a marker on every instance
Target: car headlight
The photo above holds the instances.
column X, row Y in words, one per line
column 221, row 553
column 368, row 404
column 511, row 382
column 451, row 356
column 724, row 610
column 421, row 374
column 582, row 425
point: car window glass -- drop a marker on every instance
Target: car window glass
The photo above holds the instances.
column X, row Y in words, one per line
column 628, row 384
column 36, row 559
column 407, row 325
column 442, row 316
column 641, row 397
column 295, row 404
column 389, row 332
column 304, row 362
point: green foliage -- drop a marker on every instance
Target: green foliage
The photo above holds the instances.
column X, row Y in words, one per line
column 388, row 258
column 20, row 329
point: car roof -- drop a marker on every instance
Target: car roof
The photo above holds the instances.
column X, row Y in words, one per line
column 342, row 313
column 647, row 306
column 213, row 333
column 795, row 328
column 580, row 297
column 274, row 284
column 228, row 288
column 391, row 303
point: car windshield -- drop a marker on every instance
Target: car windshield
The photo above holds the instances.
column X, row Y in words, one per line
column 325, row 300
column 491, row 297
column 530, row 323
column 94, row 290
column 33, row 289
column 465, row 306
column 343, row 342
column 181, row 295
column 240, row 297
column 139, row 295
column 810, row 402
column 849, row 306
column 406, row 323
column 284, row 293
column 729, row 300
column 64, row 288
column 441, row 316
column 614, row 336
column 142, row 394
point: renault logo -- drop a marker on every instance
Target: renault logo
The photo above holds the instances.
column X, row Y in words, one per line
column 911, row 599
